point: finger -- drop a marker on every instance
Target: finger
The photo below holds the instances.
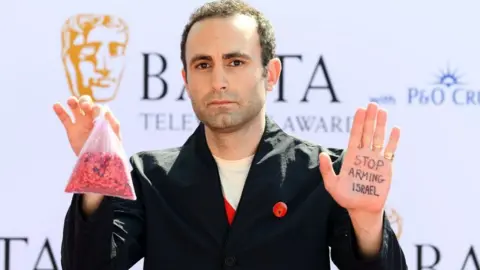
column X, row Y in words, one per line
column 392, row 142
column 379, row 136
column 326, row 170
column 113, row 122
column 86, row 105
column 357, row 128
column 75, row 108
column 368, row 127
column 97, row 109
column 63, row 115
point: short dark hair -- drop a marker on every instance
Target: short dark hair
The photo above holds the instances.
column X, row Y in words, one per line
column 227, row 8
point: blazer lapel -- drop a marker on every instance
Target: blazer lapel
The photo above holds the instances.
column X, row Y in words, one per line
column 261, row 191
column 201, row 187
column 263, row 184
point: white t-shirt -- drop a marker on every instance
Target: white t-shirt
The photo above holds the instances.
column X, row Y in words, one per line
column 233, row 174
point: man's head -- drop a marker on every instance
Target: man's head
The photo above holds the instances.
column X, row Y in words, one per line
column 93, row 53
column 229, row 64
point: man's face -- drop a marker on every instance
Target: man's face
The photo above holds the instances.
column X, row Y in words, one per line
column 224, row 75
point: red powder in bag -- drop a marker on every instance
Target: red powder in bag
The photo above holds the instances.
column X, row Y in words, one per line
column 102, row 167
column 101, row 173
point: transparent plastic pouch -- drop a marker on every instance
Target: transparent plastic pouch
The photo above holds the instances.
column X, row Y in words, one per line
column 102, row 166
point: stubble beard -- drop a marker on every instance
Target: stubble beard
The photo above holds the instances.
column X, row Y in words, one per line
column 227, row 120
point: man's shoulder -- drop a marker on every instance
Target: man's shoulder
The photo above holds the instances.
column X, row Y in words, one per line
column 312, row 151
column 315, row 149
column 151, row 159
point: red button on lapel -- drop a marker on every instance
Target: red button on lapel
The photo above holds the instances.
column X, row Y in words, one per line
column 280, row 209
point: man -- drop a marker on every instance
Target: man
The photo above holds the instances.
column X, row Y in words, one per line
column 240, row 193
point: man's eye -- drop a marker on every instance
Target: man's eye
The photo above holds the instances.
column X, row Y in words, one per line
column 202, row 66
column 236, row 63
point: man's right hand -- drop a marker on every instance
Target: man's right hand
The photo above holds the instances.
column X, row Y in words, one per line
column 79, row 128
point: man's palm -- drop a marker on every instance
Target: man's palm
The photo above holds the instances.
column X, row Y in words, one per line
column 79, row 128
column 365, row 177
column 78, row 134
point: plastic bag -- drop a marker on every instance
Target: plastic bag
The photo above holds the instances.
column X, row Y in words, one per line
column 102, row 166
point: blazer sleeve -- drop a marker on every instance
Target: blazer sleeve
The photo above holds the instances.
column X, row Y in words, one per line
column 345, row 251
column 343, row 245
column 112, row 238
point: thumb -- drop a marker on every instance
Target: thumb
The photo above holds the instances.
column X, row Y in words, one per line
column 326, row 170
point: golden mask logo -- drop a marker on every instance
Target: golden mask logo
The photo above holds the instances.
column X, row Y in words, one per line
column 93, row 55
column 396, row 221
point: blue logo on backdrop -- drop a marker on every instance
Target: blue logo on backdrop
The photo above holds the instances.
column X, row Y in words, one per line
column 448, row 88
column 384, row 100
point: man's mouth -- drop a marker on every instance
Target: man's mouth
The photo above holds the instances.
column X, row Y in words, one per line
column 220, row 102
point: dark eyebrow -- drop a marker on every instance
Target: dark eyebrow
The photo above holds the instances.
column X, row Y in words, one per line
column 236, row 55
column 200, row 57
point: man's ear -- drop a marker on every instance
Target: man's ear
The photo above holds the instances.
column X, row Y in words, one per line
column 185, row 82
column 274, row 68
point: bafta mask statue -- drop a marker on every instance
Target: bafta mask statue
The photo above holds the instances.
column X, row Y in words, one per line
column 93, row 54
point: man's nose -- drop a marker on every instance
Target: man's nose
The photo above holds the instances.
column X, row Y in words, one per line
column 219, row 79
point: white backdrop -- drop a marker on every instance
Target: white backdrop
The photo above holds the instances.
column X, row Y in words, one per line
column 371, row 50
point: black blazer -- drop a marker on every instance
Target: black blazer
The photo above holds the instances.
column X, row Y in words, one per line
column 179, row 220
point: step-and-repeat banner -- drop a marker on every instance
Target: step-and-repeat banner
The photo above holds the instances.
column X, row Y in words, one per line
column 418, row 59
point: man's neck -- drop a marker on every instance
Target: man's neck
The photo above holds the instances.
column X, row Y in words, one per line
column 238, row 144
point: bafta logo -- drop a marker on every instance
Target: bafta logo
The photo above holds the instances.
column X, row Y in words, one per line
column 93, row 55
column 396, row 221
